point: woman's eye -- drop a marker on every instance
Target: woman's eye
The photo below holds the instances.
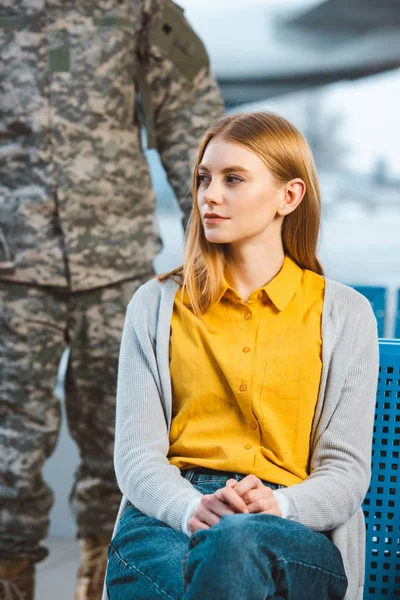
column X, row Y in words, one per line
column 201, row 178
column 233, row 179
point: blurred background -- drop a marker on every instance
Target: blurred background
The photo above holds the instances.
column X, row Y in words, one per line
column 333, row 69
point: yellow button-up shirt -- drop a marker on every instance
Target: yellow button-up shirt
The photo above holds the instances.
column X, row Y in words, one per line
column 244, row 391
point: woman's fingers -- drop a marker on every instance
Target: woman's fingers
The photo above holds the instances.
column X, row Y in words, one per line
column 194, row 524
column 265, row 505
column 258, row 497
column 211, row 509
column 218, row 507
column 249, row 495
column 206, row 511
column 257, row 493
column 248, row 483
column 228, row 495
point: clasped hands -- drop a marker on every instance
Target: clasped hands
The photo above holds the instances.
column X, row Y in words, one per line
column 249, row 495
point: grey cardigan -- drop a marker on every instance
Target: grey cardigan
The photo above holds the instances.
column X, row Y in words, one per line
column 330, row 498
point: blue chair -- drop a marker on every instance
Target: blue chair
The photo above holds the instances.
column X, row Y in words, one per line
column 382, row 503
column 397, row 326
column 377, row 297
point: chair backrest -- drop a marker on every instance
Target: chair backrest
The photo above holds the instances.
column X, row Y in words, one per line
column 382, row 503
column 397, row 325
column 377, row 297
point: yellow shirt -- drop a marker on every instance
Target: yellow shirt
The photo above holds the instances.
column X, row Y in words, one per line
column 244, row 394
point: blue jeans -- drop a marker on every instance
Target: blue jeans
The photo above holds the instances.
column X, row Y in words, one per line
column 244, row 557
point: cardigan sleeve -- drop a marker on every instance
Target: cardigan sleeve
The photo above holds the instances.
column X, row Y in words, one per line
column 341, row 459
column 143, row 471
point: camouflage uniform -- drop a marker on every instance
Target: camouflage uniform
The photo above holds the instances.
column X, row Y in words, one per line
column 77, row 231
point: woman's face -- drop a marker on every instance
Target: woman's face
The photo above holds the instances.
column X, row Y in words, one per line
column 237, row 196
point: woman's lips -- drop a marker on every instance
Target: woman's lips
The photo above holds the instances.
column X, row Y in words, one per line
column 214, row 218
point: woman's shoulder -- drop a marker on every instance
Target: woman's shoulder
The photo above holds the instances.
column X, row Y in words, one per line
column 148, row 295
column 345, row 300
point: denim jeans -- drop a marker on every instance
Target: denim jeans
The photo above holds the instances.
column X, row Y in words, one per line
column 244, row 557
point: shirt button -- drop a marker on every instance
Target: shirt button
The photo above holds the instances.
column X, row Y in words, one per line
column 243, row 387
column 247, row 316
column 253, row 426
column 260, row 295
column 248, row 447
column 246, row 349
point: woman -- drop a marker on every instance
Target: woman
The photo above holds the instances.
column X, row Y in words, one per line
column 246, row 393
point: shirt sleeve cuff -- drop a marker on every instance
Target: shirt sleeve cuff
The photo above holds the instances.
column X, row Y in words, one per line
column 193, row 504
column 285, row 506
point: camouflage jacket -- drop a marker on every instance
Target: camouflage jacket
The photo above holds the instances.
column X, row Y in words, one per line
column 76, row 202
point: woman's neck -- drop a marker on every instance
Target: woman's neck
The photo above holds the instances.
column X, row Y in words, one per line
column 250, row 267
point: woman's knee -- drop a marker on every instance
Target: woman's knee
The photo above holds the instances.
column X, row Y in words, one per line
column 234, row 534
column 274, row 537
column 146, row 572
column 269, row 553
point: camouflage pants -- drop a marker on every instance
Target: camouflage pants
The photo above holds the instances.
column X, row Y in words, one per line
column 36, row 323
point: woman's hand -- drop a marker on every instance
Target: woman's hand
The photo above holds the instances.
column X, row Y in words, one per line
column 249, row 495
column 212, row 507
column 257, row 496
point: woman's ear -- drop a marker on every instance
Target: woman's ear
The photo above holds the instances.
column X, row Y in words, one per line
column 293, row 194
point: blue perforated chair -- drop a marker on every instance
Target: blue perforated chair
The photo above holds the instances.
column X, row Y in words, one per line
column 397, row 325
column 382, row 503
column 377, row 297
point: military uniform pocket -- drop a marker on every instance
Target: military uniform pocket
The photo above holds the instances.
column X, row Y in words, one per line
column 176, row 38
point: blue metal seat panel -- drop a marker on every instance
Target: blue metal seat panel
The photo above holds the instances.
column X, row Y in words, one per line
column 382, row 503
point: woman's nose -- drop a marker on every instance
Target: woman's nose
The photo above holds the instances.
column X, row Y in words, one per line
column 212, row 196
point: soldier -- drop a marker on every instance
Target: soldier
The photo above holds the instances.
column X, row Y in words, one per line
column 78, row 237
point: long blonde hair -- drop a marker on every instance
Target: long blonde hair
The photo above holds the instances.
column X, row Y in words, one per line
column 287, row 155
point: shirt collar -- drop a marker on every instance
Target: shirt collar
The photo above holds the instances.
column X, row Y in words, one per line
column 280, row 290
column 285, row 284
